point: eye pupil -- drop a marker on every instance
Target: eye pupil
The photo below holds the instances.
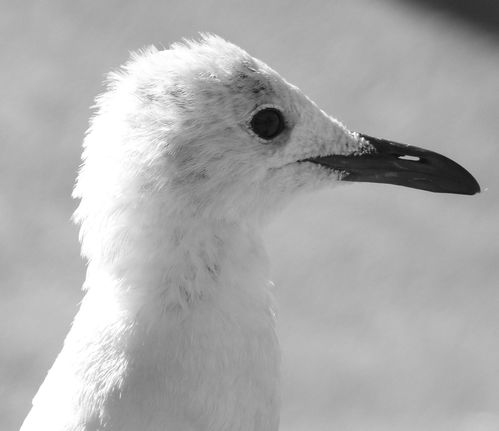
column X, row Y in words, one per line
column 267, row 123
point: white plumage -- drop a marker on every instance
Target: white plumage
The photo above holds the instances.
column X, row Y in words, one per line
column 176, row 330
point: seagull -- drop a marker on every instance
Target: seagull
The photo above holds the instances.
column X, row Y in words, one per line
column 191, row 151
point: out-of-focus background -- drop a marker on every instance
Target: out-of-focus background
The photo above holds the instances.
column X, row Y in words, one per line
column 388, row 297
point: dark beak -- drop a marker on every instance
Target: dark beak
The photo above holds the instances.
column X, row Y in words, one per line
column 393, row 163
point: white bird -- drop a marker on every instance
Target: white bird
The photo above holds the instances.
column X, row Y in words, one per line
column 190, row 152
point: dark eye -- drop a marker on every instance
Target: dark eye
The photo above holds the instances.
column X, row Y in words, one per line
column 267, row 123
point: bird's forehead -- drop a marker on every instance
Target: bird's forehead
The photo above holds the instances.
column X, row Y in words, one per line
column 237, row 85
column 251, row 84
column 213, row 86
column 241, row 75
column 251, row 76
column 210, row 74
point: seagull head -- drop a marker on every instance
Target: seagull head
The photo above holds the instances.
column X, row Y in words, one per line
column 204, row 129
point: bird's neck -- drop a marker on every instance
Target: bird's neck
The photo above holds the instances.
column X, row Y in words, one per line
column 183, row 264
column 195, row 310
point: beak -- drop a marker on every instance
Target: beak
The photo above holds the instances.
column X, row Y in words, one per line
column 403, row 165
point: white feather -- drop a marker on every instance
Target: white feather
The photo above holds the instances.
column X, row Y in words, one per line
column 176, row 331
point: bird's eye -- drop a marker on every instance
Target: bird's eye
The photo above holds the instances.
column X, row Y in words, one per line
column 267, row 123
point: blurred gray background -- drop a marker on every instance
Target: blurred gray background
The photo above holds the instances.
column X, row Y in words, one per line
column 388, row 297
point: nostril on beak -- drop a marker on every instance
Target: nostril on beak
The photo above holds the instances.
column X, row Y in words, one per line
column 409, row 158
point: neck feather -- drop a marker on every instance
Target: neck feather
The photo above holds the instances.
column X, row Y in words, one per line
column 182, row 263
column 187, row 315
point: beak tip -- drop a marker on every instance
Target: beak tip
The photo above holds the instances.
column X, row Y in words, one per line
column 470, row 185
column 476, row 188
